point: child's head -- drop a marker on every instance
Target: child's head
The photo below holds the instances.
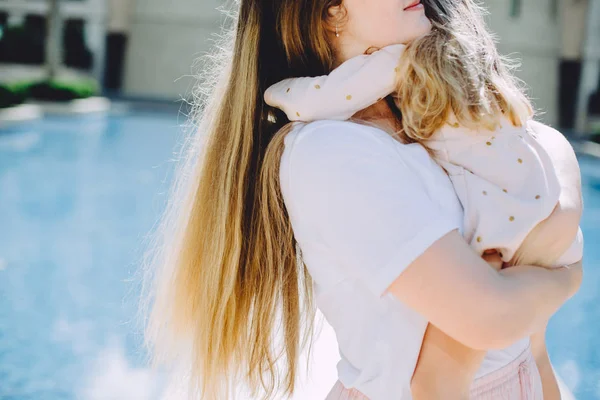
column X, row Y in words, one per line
column 456, row 69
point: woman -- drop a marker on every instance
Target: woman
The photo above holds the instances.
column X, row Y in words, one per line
column 477, row 125
column 375, row 221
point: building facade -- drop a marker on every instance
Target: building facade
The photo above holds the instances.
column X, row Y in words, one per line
column 146, row 48
column 165, row 39
column 547, row 36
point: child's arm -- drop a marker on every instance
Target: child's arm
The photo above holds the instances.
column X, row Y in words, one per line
column 353, row 86
column 542, row 360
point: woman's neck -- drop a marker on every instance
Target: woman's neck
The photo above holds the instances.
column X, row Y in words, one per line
column 379, row 114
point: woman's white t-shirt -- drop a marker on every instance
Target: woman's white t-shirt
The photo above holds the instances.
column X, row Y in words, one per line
column 364, row 206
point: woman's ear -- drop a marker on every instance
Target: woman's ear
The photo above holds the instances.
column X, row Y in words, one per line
column 334, row 11
column 336, row 16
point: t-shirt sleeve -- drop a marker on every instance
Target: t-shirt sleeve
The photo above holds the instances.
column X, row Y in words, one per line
column 354, row 193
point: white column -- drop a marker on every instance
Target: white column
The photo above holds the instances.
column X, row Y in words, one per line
column 96, row 35
column 119, row 15
column 53, row 39
column 573, row 15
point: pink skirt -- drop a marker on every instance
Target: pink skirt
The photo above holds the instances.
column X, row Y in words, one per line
column 519, row 380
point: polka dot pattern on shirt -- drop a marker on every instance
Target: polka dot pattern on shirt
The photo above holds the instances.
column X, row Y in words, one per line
column 454, row 124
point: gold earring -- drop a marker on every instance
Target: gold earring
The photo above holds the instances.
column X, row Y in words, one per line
column 337, row 34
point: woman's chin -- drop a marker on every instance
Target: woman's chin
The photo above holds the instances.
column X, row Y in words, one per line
column 422, row 29
column 425, row 27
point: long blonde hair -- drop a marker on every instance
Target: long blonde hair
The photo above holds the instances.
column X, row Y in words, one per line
column 227, row 295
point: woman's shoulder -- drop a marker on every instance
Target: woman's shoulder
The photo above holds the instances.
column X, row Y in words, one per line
column 321, row 153
column 337, row 132
column 335, row 140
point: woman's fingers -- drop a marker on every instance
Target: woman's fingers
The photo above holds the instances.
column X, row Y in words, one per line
column 576, row 276
column 574, row 273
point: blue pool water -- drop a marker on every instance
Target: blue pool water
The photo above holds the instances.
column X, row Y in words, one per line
column 78, row 196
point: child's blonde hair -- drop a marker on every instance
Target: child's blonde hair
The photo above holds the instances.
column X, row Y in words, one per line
column 456, row 70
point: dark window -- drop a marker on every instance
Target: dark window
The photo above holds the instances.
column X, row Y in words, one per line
column 515, row 8
column 554, row 9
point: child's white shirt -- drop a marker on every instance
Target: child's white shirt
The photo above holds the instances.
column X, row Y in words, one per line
column 504, row 179
column 355, row 85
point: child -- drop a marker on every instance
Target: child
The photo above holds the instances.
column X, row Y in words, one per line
column 503, row 177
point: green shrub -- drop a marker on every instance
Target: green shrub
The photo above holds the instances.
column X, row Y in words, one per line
column 62, row 90
column 17, row 92
column 11, row 95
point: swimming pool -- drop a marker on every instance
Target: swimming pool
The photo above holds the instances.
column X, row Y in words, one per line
column 77, row 197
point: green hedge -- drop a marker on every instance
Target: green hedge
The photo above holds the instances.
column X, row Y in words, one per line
column 12, row 95
column 62, row 91
column 54, row 90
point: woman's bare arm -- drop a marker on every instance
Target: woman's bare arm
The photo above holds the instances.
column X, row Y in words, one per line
column 454, row 289
column 485, row 309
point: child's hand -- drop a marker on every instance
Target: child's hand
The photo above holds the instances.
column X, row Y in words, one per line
column 493, row 259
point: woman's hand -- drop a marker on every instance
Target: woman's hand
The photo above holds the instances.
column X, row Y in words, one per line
column 480, row 307
column 572, row 275
column 575, row 275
